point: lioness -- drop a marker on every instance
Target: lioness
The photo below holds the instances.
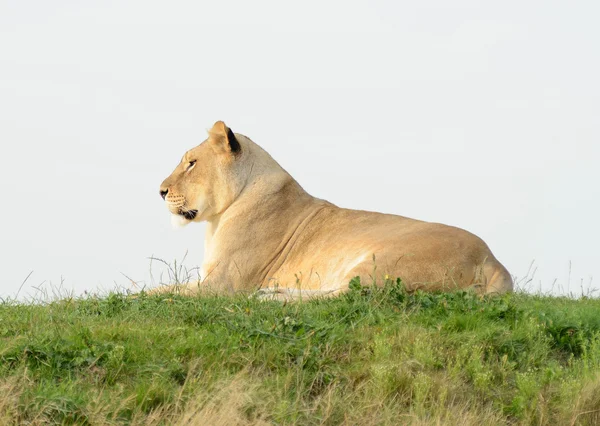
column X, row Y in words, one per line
column 265, row 232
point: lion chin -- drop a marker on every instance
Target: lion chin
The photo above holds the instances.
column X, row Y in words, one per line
column 264, row 231
column 179, row 221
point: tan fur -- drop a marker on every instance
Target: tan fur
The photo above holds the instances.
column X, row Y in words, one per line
column 265, row 231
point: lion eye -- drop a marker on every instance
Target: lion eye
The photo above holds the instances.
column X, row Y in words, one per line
column 190, row 165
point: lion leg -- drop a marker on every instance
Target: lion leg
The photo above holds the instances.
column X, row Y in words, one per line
column 498, row 280
column 292, row 294
column 187, row 289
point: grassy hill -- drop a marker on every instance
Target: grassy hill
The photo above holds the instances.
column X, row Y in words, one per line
column 370, row 357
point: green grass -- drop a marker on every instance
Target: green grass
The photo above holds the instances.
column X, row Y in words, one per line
column 372, row 356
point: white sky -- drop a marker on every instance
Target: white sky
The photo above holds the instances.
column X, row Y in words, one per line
column 483, row 115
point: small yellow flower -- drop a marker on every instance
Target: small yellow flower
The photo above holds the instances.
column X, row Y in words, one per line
column 387, row 277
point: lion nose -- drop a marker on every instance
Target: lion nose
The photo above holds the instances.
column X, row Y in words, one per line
column 163, row 193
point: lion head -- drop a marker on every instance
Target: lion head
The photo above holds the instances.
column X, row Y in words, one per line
column 208, row 178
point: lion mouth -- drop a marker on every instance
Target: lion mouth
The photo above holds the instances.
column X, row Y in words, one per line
column 188, row 214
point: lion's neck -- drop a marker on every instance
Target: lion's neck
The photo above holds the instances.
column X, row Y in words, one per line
column 255, row 228
column 211, row 227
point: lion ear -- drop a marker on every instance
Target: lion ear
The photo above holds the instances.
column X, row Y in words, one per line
column 222, row 139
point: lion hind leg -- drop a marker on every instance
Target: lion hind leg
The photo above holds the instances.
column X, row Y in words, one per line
column 498, row 280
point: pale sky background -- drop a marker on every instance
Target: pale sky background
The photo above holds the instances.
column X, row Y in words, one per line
column 483, row 115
